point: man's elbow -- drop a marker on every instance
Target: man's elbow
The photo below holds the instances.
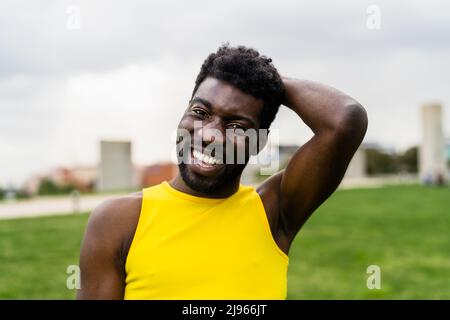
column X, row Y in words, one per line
column 354, row 121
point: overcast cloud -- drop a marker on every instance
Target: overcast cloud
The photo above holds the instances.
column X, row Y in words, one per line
column 128, row 72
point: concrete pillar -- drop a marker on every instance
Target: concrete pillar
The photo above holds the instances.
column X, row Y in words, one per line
column 357, row 167
column 432, row 164
column 116, row 168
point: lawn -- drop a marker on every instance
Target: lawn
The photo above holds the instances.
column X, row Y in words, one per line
column 405, row 230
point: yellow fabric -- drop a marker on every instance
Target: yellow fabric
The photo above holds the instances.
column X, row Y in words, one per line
column 188, row 247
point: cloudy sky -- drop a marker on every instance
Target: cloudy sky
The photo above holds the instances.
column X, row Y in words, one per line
column 74, row 72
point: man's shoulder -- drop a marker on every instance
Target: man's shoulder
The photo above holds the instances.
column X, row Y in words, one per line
column 122, row 207
column 116, row 219
column 120, row 203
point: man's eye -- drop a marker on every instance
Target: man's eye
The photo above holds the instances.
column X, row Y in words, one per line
column 200, row 112
column 237, row 127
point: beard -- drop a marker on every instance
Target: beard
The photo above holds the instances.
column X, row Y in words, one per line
column 210, row 185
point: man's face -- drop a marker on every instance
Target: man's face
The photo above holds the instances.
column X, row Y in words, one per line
column 215, row 120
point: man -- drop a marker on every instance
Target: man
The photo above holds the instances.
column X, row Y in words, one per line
column 203, row 235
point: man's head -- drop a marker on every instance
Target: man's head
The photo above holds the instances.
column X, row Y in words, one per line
column 237, row 91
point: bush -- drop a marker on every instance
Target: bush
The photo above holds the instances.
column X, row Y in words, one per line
column 380, row 162
column 48, row 187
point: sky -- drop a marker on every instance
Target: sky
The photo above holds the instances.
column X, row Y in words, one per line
column 75, row 72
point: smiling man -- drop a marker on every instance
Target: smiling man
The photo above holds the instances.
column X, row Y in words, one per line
column 204, row 235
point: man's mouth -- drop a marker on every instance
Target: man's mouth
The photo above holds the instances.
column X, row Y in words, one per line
column 204, row 159
column 205, row 164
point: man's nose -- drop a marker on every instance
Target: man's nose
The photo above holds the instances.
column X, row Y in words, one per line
column 211, row 132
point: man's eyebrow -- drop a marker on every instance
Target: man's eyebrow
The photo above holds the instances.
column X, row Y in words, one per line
column 239, row 117
column 206, row 103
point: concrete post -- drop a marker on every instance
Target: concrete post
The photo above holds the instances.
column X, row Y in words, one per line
column 432, row 165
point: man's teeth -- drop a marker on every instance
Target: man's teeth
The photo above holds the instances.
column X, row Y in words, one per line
column 203, row 157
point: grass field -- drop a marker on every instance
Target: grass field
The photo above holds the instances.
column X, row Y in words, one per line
column 405, row 230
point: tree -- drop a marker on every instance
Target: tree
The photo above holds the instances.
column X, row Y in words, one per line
column 48, row 187
column 379, row 162
column 409, row 160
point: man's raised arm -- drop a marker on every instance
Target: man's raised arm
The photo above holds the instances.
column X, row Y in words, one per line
column 339, row 124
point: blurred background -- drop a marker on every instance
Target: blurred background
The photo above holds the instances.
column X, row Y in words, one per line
column 91, row 93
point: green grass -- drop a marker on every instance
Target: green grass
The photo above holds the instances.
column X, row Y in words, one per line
column 405, row 230
column 35, row 254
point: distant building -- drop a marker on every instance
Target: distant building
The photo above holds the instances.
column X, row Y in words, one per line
column 432, row 161
column 83, row 178
column 116, row 170
column 447, row 150
column 447, row 156
column 357, row 168
column 286, row 153
column 157, row 173
column 31, row 185
column 276, row 160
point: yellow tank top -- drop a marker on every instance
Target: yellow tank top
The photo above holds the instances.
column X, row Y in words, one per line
column 188, row 247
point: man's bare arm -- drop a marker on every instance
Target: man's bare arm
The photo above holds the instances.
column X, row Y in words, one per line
column 105, row 246
column 339, row 124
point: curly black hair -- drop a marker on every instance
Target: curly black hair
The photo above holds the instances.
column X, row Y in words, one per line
column 248, row 71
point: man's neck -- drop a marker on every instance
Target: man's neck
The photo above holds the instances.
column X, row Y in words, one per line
column 228, row 190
